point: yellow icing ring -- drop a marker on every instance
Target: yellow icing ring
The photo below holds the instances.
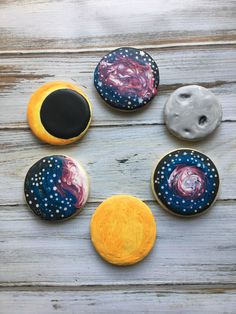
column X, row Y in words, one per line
column 123, row 230
column 34, row 107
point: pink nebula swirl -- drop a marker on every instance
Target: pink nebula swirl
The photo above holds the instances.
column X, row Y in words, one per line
column 187, row 181
column 128, row 76
column 73, row 180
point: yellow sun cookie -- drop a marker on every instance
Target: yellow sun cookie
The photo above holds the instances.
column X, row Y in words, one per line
column 123, row 230
column 59, row 113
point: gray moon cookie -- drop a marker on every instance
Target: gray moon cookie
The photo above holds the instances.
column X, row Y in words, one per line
column 192, row 112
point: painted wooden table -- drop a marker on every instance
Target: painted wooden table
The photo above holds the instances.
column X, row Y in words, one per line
column 53, row 268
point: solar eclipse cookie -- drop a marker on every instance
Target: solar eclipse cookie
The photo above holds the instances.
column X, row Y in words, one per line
column 56, row 187
column 127, row 78
column 123, row 230
column 192, row 112
column 185, row 182
column 59, row 113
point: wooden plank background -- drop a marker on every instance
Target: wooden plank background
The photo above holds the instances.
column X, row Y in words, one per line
column 53, row 268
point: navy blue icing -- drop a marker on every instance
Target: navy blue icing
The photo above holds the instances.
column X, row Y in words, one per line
column 130, row 99
column 170, row 198
column 40, row 190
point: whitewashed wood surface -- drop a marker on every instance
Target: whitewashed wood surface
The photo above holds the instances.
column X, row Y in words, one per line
column 53, row 268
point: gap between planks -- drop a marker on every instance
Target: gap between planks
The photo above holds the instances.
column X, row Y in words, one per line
column 196, row 287
column 105, row 49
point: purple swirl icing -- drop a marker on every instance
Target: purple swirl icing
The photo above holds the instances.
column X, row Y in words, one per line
column 187, row 181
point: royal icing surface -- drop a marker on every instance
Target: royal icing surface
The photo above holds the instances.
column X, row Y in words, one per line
column 186, row 182
column 127, row 78
column 192, row 112
column 56, row 187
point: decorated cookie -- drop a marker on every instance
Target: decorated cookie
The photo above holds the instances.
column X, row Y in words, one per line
column 127, row 78
column 192, row 112
column 56, row 187
column 59, row 113
column 123, row 230
column 185, row 182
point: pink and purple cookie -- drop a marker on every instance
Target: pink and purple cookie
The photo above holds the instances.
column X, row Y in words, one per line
column 56, row 187
column 127, row 78
column 185, row 182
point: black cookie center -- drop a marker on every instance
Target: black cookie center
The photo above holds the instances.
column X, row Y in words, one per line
column 65, row 113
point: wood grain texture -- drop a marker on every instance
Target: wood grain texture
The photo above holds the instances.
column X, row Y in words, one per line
column 42, row 24
column 117, row 159
column 53, row 268
column 130, row 301
column 213, row 67
column 199, row 250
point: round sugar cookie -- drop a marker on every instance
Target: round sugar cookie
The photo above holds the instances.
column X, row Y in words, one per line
column 56, row 187
column 123, row 230
column 59, row 113
column 185, row 182
column 192, row 112
column 127, row 78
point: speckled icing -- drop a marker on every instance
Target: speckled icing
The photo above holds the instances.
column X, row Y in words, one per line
column 56, row 187
column 192, row 112
column 186, row 182
column 127, row 78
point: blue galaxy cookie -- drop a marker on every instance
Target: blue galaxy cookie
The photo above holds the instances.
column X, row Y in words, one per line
column 56, row 187
column 127, row 78
column 185, row 182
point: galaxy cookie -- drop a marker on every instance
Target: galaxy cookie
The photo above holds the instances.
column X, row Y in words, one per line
column 123, row 230
column 185, row 182
column 192, row 112
column 56, row 187
column 59, row 113
column 127, row 78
